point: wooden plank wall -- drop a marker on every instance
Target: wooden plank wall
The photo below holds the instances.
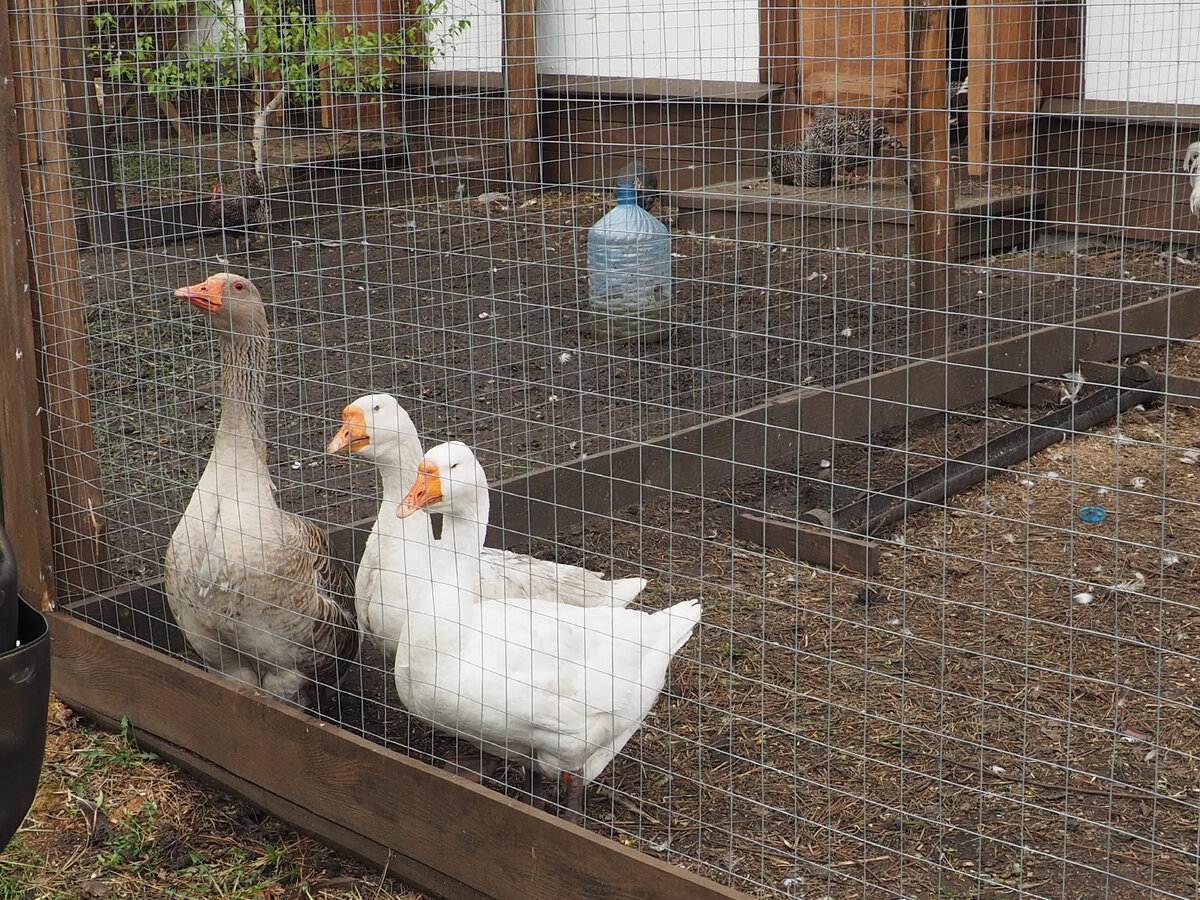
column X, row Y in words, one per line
column 456, row 132
column 1105, row 176
column 379, row 16
column 690, row 143
column 779, row 23
column 1003, row 91
column 1060, row 47
column 852, row 53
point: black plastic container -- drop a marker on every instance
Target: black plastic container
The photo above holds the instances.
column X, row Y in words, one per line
column 9, row 605
column 24, row 695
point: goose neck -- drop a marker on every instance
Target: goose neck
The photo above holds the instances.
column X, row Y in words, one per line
column 465, row 527
column 398, row 473
column 243, row 388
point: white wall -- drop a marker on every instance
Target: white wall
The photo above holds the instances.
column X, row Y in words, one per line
column 700, row 39
column 1142, row 52
column 229, row 18
column 479, row 48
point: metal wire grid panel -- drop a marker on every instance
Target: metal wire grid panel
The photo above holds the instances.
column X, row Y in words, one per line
column 1006, row 705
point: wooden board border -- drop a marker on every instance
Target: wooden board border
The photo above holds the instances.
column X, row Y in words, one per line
column 442, row 834
column 776, row 434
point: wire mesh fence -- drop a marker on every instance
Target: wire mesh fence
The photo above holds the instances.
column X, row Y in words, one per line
column 996, row 696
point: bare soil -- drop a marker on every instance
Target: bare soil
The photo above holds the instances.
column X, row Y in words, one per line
column 473, row 314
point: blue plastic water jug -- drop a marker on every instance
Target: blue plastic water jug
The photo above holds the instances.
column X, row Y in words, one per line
column 629, row 272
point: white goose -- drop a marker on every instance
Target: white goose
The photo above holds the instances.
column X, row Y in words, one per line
column 253, row 588
column 396, row 559
column 561, row 688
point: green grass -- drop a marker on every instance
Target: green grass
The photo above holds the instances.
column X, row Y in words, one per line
column 112, row 821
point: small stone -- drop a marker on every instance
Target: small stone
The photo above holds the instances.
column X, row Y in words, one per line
column 866, row 597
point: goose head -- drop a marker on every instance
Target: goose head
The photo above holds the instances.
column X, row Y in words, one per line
column 451, row 481
column 232, row 302
column 376, row 427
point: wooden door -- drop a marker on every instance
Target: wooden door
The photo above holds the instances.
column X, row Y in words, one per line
column 1003, row 92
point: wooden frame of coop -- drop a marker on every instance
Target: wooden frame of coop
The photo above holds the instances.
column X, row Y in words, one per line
column 489, row 845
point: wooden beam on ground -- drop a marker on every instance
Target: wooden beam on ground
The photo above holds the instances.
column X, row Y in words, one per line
column 445, row 835
column 1181, row 390
column 929, row 172
column 819, row 545
column 775, row 435
column 57, row 300
column 521, row 92
column 24, row 504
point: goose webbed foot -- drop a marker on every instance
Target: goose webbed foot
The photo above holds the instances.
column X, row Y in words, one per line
column 533, row 787
column 571, row 796
column 473, row 765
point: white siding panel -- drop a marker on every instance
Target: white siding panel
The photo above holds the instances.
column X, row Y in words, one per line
column 1142, row 52
column 694, row 39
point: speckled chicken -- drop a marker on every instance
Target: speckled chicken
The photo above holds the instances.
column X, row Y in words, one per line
column 645, row 183
column 956, row 102
column 836, row 139
column 254, row 588
column 239, row 204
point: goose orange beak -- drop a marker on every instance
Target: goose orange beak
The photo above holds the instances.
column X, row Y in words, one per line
column 426, row 491
column 352, row 435
column 205, row 296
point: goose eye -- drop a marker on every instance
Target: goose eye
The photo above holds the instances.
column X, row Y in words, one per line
column 453, row 467
column 375, row 409
column 239, row 285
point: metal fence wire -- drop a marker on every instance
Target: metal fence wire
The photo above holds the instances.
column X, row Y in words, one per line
column 948, row 642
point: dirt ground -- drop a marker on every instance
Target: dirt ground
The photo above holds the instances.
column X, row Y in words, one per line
column 1012, row 712
column 473, row 315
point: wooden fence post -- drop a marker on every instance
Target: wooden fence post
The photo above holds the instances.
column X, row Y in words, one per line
column 929, row 171
column 521, row 92
column 23, row 501
column 86, row 135
column 56, row 295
